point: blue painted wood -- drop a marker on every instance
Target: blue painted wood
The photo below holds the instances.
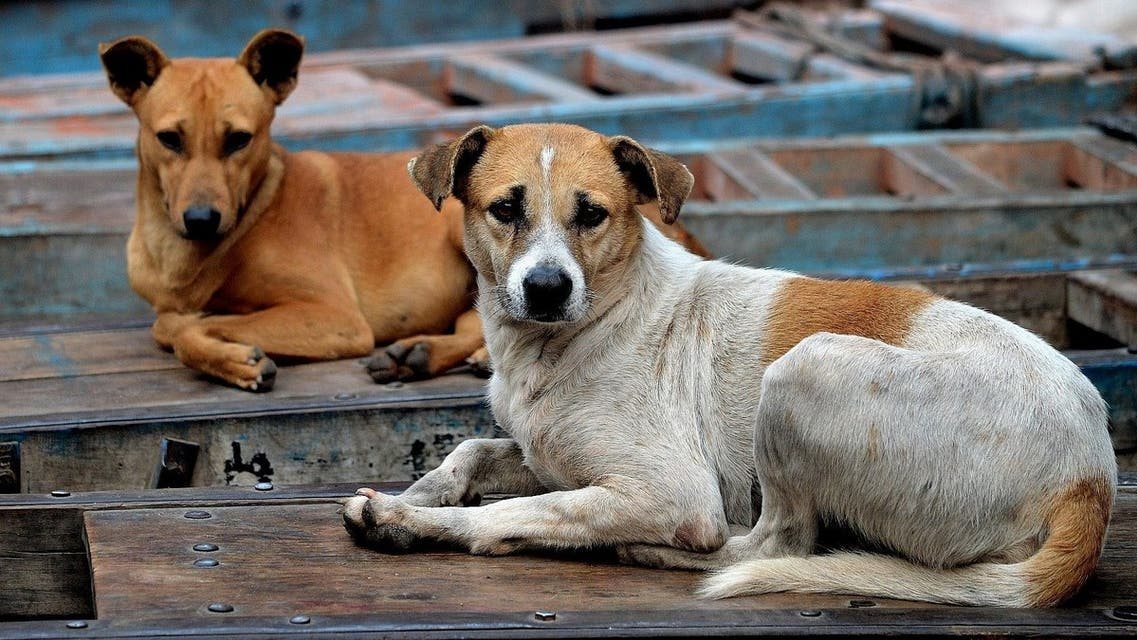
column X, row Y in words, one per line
column 204, row 28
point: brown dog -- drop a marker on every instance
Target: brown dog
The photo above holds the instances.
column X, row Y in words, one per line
column 246, row 251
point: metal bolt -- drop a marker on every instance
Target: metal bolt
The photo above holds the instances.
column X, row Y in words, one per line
column 344, row 396
column 198, row 514
column 205, row 547
column 1127, row 613
column 205, row 562
column 263, row 486
column 77, row 624
column 220, row 607
column 861, row 604
column 299, row 619
column 545, row 616
column 809, row 613
column 59, row 493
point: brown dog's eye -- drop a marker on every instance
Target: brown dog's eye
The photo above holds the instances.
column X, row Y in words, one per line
column 172, row 140
column 589, row 214
column 236, row 141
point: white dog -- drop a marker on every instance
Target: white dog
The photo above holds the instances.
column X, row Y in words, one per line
column 646, row 391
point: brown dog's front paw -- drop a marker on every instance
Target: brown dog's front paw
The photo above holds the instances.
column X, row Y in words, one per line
column 370, row 518
column 400, row 361
column 245, row 367
column 480, row 364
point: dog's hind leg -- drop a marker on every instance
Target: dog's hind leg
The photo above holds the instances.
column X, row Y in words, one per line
column 427, row 356
column 476, row 467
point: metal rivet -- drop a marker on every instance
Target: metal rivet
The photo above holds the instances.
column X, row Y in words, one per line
column 198, row 514
column 77, row 624
column 59, row 493
column 299, row 620
column 205, row 562
column 809, row 613
column 1125, row 612
column 263, row 486
column 205, row 547
column 545, row 616
column 861, row 604
column 394, row 384
column 344, row 396
column 220, row 607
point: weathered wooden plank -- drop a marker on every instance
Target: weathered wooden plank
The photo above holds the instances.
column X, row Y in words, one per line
column 948, row 170
column 59, row 355
column 768, row 56
column 1105, row 301
column 495, row 79
column 986, row 35
column 755, row 175
column 622, row 69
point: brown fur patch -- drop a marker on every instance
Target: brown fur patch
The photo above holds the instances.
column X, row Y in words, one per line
column 1077, row 520
column 805, row 306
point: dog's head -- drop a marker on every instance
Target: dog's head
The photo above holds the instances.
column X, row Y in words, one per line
column 204, row 123
column 550, row 209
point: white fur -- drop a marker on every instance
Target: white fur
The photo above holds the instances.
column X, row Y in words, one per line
column 550, row 249
column 648, row 420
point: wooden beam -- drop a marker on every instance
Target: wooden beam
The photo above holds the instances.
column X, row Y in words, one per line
column 948, row 170
column 493, row 79
column 623, row 69
column 1105, row 301
column 755, row 175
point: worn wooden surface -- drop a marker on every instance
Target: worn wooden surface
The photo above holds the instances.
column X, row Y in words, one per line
column 862, row 206
column 712, row 80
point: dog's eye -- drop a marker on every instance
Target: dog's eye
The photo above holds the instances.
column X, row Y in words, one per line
column 236, row 141
column 506, row 211
column 172, row 140
column 589, row 214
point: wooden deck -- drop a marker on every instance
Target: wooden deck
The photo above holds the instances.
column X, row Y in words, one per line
column 284, row 553
column 724, row 79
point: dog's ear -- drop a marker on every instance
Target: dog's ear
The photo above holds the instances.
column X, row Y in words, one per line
column 273, row 59
column 444, row 169
column 132, row 64
column 653, row 175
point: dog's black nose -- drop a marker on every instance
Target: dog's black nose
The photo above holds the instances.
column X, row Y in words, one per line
column 546, row 291
column 201, row 222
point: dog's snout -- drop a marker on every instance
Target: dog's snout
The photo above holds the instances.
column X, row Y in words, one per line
column 547, row 289
column 201, row 222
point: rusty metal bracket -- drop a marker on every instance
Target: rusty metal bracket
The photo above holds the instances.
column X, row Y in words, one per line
column 176, row 461
column 9, row 467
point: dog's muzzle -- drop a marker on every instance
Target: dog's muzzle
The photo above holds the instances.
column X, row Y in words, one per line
column 547, row 290
column 201, row 222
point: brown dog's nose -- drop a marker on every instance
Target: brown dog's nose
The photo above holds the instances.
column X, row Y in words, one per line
column 547, row 290
column 201, row 222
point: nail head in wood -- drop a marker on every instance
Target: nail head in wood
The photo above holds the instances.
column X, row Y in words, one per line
column 809, row 613
column 205, row 562
column 77, row 624
column 263, row 486
column 545, row 616
column 198, row 514
column 299, row 619
column 220, row 607
column 861, row 604
column 58, row 493
column 205, row 547
column 1125, row 612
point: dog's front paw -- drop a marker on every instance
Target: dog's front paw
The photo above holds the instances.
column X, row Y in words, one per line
column 376, row 520
column 244, row 366
column 480, row 364
column 400, row 361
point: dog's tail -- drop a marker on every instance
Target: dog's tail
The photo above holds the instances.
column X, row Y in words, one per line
column 1076, row 521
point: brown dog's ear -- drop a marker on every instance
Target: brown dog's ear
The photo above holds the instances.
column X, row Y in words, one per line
column 654, row 175
column 273, row 59
column 444, row 169
column 132, row 63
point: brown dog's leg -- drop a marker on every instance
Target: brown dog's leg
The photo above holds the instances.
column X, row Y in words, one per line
column 427, row 356
column 233, row 348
